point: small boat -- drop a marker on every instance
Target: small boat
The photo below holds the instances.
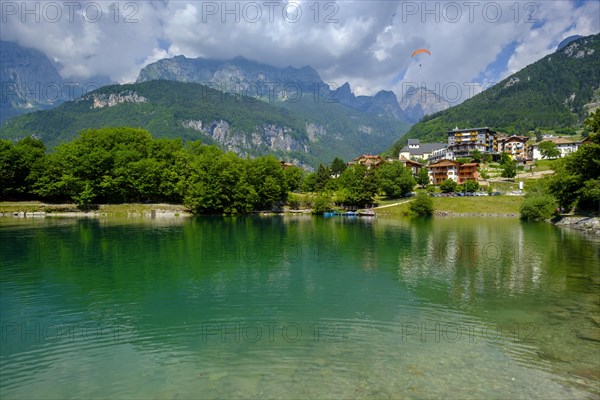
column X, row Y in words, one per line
column 350, row 214
column 367, row 213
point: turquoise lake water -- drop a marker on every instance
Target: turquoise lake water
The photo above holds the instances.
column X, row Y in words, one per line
column 298, row 307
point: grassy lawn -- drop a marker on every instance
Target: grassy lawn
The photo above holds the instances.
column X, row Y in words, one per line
column 34, row 206
column 544, row 165
column 480, row 205
column 384, row 200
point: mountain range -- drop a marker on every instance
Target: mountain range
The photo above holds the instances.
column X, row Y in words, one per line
column 30, row 81
column 254, row 109
column 323, row 122
column 304, row 131
column 242, row 76
column 554, row 93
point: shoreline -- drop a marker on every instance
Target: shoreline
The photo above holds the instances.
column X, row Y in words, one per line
column 589, row 225
column 471, row 214
column 38, row 210
column 44, row 210
column 162, row 213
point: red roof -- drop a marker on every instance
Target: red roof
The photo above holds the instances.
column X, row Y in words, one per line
column 445, row 163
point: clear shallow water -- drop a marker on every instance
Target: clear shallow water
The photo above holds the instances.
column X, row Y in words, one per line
column 298, row 307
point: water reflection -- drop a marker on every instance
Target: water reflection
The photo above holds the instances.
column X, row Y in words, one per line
column 396, row 295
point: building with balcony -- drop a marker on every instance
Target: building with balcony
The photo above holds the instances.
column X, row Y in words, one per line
column 514, row 145
column 440, row 154
column 461, row 142
column 468, row 172
column 450, row 169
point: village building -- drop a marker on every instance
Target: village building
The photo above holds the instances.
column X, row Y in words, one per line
column 565, row 146
column 368, row 160
column 461, row 142
column 440, row 154
column 416, row 150
column 450, row 169
column 514, row 145
column 414, row 166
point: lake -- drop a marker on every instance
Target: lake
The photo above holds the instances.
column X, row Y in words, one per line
column 297, row 307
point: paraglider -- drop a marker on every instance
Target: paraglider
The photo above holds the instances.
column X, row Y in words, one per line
column 419, row 51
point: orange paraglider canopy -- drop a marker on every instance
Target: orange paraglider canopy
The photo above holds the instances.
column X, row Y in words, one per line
column 419, row 51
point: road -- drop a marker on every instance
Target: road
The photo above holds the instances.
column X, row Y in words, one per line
column 394, row 204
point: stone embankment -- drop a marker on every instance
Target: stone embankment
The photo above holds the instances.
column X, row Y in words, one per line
column 586, row 224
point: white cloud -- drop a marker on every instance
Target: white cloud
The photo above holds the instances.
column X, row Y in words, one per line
column 367, row 43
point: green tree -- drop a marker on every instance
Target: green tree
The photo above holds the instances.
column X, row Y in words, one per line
column 476, row 155
column 505, row 158
column 323, row 203
column 573, row 183
column 423, row 178
column 471, row 186
column 322, row 177
column 310, row 183
column 18, row 164
column 509, row 170
column 293, row 177
column 548, row 149
column 422, row 205
column 395, row 180
column 224, row 183
column 338, row 166
column 86, row 197
column 538, row 207
column 593, row 121
column 7, row 168
column 266, row 176
column 448, row 186
column 589, row 196
column 358, row 186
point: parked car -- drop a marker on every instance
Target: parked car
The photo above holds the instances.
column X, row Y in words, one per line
column 495, row 194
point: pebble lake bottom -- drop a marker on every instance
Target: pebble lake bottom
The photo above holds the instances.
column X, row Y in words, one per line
column 298, row 307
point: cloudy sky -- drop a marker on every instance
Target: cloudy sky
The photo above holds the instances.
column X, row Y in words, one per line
column 367, row 43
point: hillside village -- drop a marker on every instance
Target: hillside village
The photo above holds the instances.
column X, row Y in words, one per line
column 468, row 150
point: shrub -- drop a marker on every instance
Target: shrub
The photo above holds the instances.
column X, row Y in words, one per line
column 471, row 186
column 293, row 201
column 323, row 204
column 538, row 207
column 448, row 186
column 509, row 170
column 422, row 205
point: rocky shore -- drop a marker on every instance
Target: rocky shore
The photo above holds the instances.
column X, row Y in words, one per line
column 589, row 225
